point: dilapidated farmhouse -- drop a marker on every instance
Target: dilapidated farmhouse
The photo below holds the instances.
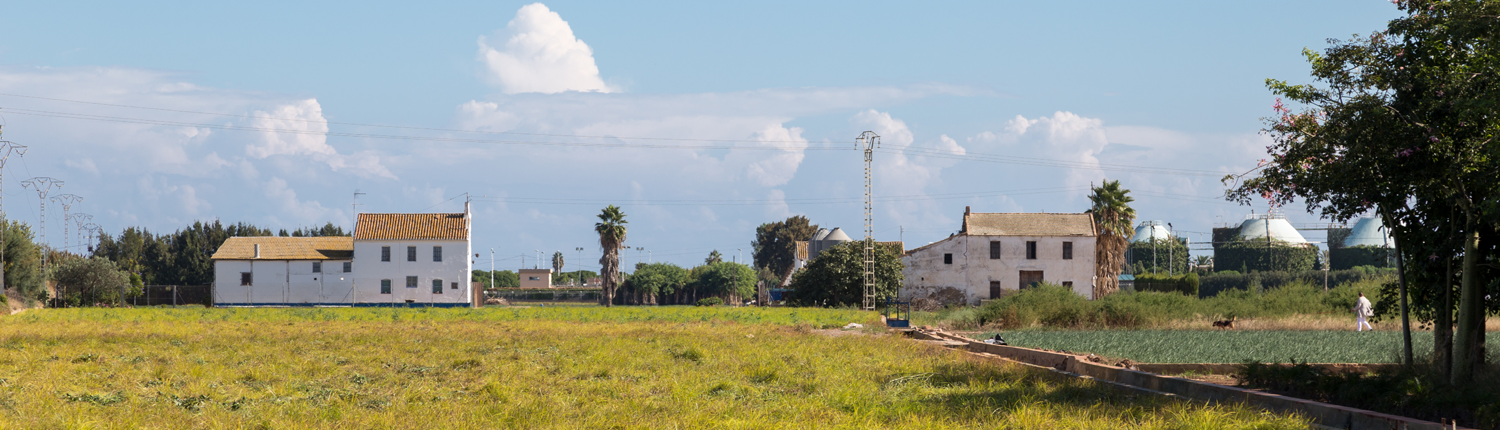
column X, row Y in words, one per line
column 998, row 252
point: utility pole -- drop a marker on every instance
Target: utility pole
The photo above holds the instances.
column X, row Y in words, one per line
column 1171, row 250
column 79, row 219
column 868, row 141
column 67, row 201
column 354, row 216
column 6, row 149
column 43, row 185
column 492, row 268
column 92, row 229
column 580, row 266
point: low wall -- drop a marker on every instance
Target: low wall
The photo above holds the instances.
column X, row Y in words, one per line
column 1321, row 413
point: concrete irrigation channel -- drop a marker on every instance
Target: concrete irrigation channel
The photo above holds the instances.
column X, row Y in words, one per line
column 1149, row 378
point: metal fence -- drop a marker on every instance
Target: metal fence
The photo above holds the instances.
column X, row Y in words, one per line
column 176, row 295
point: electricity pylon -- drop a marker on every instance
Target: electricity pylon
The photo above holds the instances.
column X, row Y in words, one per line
column 6, row 149
column 67, row 201
column 43, row 185
column 868, row 141
column 79, row 219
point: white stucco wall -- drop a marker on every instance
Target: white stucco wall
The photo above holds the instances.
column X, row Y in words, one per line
column 455, row 267
column 973, row 269
column 282, row 282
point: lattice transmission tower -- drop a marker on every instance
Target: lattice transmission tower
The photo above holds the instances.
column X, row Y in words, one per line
column 79, row 219
column 43, row 185
column 6, row 149
column 868, row 141
column 67, row 201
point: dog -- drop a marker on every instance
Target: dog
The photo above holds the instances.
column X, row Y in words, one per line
column 1225, row 324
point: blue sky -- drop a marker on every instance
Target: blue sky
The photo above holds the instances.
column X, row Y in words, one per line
column 777, row 89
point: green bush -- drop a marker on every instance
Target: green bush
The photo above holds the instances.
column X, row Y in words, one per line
column 1218, row 282
column 710, row 301
column 1347, row 258
column 1183, row 284
column 1258, row 256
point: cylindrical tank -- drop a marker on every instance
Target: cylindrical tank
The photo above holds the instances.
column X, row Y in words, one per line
column 1278, row 228
column 1369, row 232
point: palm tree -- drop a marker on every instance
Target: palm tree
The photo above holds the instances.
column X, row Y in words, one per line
column 557, row 262
column 611, row 229
column 713, row 258
column 1114, row 218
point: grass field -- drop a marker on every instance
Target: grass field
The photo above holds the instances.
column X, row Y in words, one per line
column 554, row 367
column 1226, row 346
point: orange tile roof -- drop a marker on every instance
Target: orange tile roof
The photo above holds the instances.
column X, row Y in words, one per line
column 440, row 226
column 287, row 248
column 1029, row 224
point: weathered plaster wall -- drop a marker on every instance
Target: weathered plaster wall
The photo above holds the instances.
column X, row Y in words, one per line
column 973, row 269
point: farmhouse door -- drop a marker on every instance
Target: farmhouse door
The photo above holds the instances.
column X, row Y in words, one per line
column 1030, row 278
column 995, row 290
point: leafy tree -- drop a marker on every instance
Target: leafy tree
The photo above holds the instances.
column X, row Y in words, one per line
column 83, row 281
column 611, row 229
column 1115, row 220
column 724, row 279
column 1404, row 123
column 836, row 277
column 775, row 243
column 655, row 279
column 577, row 277
column 714, row 258
column 503, row 279
column 23, row 261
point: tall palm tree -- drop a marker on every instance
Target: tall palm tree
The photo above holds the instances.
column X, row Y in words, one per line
column 611, row 229
column 1114, row 218
column 557, row 263
column 714, row 258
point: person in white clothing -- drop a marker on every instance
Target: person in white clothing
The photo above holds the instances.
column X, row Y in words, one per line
column 1363, row 310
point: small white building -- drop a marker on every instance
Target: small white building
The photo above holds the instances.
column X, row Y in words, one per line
column 413, row 260
column 284, row 271
column 998, row 252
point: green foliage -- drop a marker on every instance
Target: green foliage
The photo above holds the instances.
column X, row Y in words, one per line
column 576, row 277
column 658, row 278
column 710, row 301
column 1421, row 392
column 1059, row 307
column 1183, row 284
column 182, row 257
column 836, row 277
column 1158, row 256
column 1347, row 258
column 1224, row 346
column 724, row 280
column 327, row 230
column 1258, row 256
column 775, row 243
column 23, row 261
column 714, row 258
column 1213, row 284
column 503, row 279
column 86, row 281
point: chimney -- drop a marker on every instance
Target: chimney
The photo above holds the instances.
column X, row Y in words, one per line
column 257, row 250
column 965, row 228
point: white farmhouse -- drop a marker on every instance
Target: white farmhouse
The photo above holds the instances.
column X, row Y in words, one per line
column 998, row 252
column 412, row 260
column 284, row 271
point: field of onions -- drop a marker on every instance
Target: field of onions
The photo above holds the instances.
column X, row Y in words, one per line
column 1228, row 346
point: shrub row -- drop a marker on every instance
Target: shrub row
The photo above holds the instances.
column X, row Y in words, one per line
column 1183, row 284
column 1218, row 282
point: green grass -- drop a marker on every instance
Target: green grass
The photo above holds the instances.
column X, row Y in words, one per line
column 677, row 367
column 1225, row 346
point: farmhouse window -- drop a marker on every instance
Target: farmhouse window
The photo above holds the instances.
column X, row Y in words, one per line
column 455, row 285
column 1067, row 250
column 385, row 253
column 411, row 253
column 385, row 286
column 1068, row 284
column 437, row 253
column 947, row 258
column 411, row 282
column 437, row 286
column 317, row 267
column 1031, row 250
column 1030, row 278
column 994, row 250
column 995, row 290
column 348, row 266
column 245, row 278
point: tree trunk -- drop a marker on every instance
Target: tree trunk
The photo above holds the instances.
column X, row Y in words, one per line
column 1405, row 318
column 1470, row 310
column 1442, row 324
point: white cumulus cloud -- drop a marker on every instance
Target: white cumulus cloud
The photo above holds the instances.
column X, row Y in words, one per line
column 538, row 53
column 300, row 129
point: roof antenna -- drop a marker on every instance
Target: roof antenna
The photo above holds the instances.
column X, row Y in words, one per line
column 354, row 218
